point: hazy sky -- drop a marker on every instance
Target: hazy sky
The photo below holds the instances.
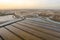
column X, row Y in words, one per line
column 26, row 4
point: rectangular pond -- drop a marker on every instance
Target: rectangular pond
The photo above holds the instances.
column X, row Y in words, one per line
column 9, row 19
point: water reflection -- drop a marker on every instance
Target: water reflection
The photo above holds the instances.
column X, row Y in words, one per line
column 6, row 18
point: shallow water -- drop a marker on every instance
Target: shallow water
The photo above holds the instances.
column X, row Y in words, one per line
column 6, row 18
column 53, row 21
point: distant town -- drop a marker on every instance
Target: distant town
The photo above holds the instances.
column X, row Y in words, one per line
column 52, row 14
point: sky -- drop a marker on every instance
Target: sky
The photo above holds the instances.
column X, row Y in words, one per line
column 29, row 4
